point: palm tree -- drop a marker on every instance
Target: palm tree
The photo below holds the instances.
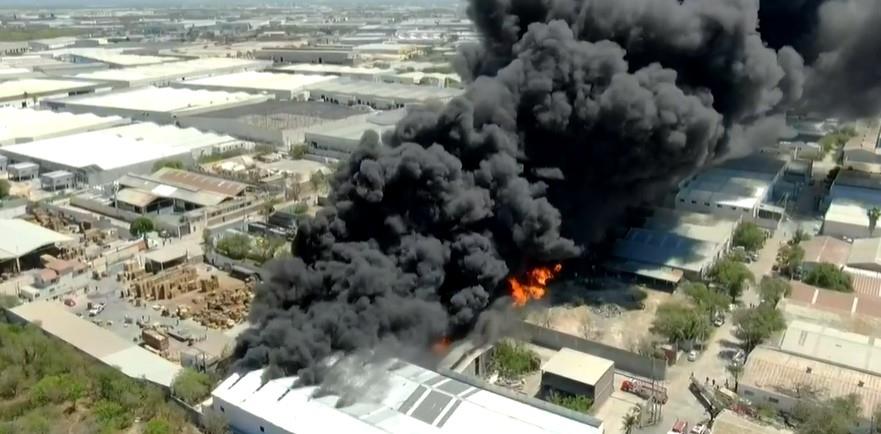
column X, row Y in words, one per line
column 873, row 213
column 630, row 420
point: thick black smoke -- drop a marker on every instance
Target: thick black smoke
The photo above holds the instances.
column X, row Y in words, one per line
column 839, row 42
column 576, row 109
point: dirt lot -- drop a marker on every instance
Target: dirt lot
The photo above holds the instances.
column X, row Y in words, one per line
column 616, row 314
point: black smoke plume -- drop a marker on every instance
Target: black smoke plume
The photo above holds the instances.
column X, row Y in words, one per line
column 575, row 110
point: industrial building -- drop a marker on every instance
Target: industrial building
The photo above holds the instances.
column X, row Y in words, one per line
column 23, row 171
column 165, row 73
column 575, row 373
column 20, row 125
column 337, row 140
column 57, row 180
column 388, row 51
column 114, row 58
column 282, row 123
column 100, row 157
column 352, row 72
column 13, row 48
column 673, row 244
column 861, row 151
column 155, row 104
column 379, row 95
column 409, row 400
column 23, row 242
column 282, row 86
column 30, row 91
column 741, row 188
column 99, row 343
column 814, row 357
column 850, row 197
column 172, row 190
column 320, row 55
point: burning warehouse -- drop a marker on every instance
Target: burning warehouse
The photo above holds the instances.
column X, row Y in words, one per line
column 572, row 115
column 408, row 400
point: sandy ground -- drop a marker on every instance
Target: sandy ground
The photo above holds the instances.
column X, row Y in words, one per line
column 612, row 314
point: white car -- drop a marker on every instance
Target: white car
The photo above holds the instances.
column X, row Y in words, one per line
column 692, row 355
column 699, row 429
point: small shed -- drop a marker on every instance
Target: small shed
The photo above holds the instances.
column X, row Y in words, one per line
column 23, row 171
column 57, row 180
column 576, row 373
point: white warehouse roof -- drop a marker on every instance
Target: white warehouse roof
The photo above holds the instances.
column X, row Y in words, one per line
column 24, row 125
column 259, row 81
column 392, row 91
column 117, row 58
column 315, row 68
column 161, row 99
column 41, row 86
column 174, row 70
column 117, row 147
column 413, row 400
column 21, row 237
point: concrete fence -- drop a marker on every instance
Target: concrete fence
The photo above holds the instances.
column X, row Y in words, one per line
column 624, row 360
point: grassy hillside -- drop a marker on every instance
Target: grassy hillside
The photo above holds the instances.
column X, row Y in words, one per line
column 19, row 34
column 47, row 387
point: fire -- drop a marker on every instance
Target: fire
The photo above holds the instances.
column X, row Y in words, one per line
column 533, row 285
column 440, row 347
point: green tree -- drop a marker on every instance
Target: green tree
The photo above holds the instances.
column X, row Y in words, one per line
column 799, row 236
column 141, row 226
column 215, row 423
column 171, row 164
column 579, row 403
column 191, row 386
column 630, row 420
column 833, row 173
column 513, row 360
column 835, row 416
column 829, row 276
column 267, row 248
column 773, row 289
column 750, row 236
column 873, row 213
column 298, row 151
column 4, row 188
column 707, row 300
column 732, row 276
column 235, row 246
column 789, row 259
column 319, row 181
column 679, row 322
column 755, row 325
column 736, row 371
column 111, row 415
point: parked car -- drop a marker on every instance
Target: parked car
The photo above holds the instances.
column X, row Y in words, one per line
column 700, row 428
column 692, row 355
column 739, row 358
column 719, row 320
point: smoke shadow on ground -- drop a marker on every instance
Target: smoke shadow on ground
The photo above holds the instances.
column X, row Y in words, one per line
column 594, row 292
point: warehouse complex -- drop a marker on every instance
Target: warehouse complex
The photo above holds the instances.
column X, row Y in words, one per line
column 282, row 86
column 100, row 157
column 155, row 104
column 28, row 92
column 20, row 125
column 412, row 400
column 382, row 96
column 337, row 140
column 352, row 72
column 165, row 73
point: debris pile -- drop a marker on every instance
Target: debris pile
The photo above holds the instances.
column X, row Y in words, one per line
column 164, row 285
column 223, row 309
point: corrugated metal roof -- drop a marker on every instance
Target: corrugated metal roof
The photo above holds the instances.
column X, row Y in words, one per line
column 159, row 189
column 20, row 237
column 199, row 181
column 135, row 197
column 407, row 399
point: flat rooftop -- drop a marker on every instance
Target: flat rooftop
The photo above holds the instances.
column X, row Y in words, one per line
column 412, row 400
column 577, row 366
column 780, row 372
column 15, row 89
column 315, row 68
column 21, row 237
column 116, row 57
column 117, row 147
column 834, row 346
column 26, row 124
column 172, row 70
column 97, row 342
column 260, row 81
column 162, row 99
column 396, row 91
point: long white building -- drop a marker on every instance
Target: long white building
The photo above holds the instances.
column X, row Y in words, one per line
column 165, row 73
column 21, row 125
column 282, row 86
column 405, row 399
column 155, row 104
column 100, row 157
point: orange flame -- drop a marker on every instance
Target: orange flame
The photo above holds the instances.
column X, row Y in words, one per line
column 534, row 285
column 440, row 347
